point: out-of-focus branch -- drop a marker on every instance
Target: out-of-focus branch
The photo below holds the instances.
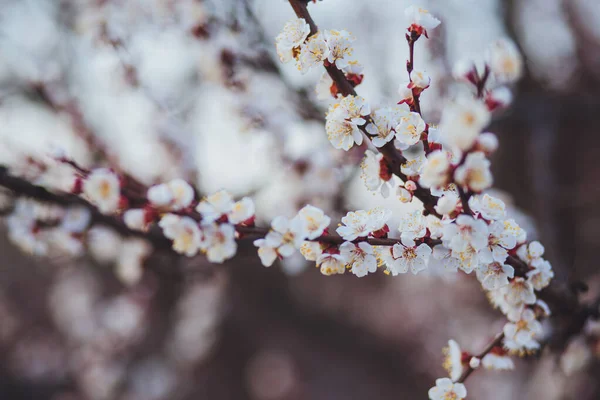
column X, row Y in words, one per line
column 494, row 343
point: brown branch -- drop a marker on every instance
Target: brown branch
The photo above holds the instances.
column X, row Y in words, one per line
column 494, row 343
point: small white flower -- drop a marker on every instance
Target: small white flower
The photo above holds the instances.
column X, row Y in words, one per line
column 519, row 291
column 331, row 264
column 182, row 194
column 312, row 53
column 415, row 160
column 410, row 128
column 311, row 250
column 419, row 80
column 76, row 219
column 520, row 335
column 505, row 61
column 340, row 47
column 360, row 258
column 376, row 173
column 515, row 230
column 361, row 223
column 541, row 274
column 487, row 142
column 184, row 232
column 497, row 362
column 444, row 256
column 464, row 232
column 215, row 206
column 241, row 211
column 219, row 242
column 436, row 170
column 383, row 123
column 444, row 389
column 475, row 173
column 494, row 275
column 323, row 88
column 435, row 226
column 420, row 20
column 490, row 208
column 499, row 97
column 405, row 93
column 129, row 265
column 343, row 119
column 286, row 236
column 293, row 35
column 313, row 221
column 447, row 204
column 413, row 225
column 462, row 120
column 353, row 67
column 530, row 252
column 160, row 195
column 499, row 241
column 468, row 258
column 135, row 219
column 407, row 256
column 266, row 251
column 103, row 189
column 453, row 362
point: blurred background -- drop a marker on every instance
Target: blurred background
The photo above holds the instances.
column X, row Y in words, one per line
column 161, row 89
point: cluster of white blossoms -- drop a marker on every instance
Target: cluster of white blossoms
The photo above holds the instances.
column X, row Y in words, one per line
column 470, row 230
column 332, row 47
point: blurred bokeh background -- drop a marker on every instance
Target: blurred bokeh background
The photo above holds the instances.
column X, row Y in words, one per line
column 193, row 89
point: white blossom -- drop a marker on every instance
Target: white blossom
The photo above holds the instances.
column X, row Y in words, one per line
column 519, row 291
column 218, row 242
column 183, row 231
column 182, row 194
column 530, row 252
column 444, row 389
column 413, row 225
column 215, row 206
column 420, row 20
column 466, row 231
column 340, row 47
column 447, row 204
column 160, row 195
column 241, row 211
column 293, row 35
column 487, row 142
column 505, row 61
column 541, row 274
column 313, row 221
column 444, row 256
column 520, row 335
column 360, row 258
column 415, row 160
column 407, row 256
column 312, row 53
column 475, row 173
column 135, row 219
column 311, row 250
column 283, row 240
column 490, row 208
column 500, row 240
column 376, row 174
column 436, row 169
column 419, row 79
column 383, row 123
column 76, row 219
column 410, row 128
column 515, row 230
column 331, row 264
column 343, row 119
column 361, row 223
column 103, row 189
column 494, row 275
column 453, row 360
column 497, row 362
column 462, row 120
